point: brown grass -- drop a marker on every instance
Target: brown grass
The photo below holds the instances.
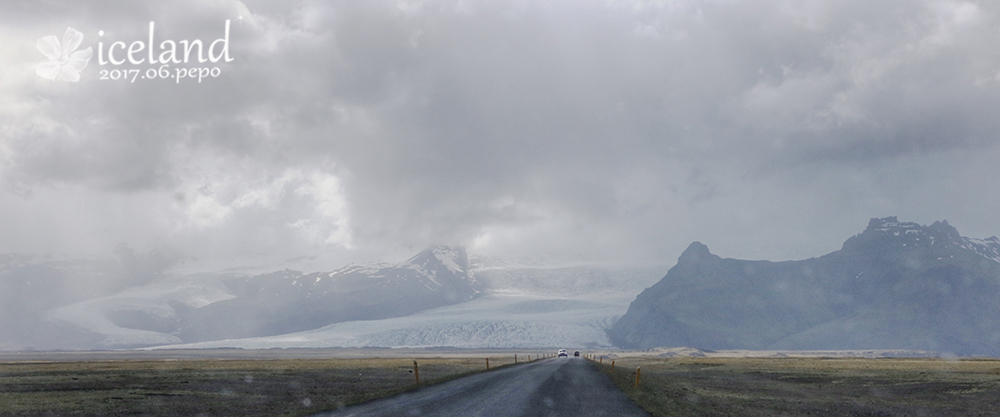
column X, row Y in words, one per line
column 204, row 387
column 810, row 386
column 669, row 386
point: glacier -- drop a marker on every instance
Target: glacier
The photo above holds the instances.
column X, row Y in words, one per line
column 525, row 302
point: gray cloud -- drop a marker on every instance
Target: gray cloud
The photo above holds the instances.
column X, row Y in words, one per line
column 608, row 129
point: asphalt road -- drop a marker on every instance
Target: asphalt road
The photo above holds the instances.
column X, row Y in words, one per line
column 550, row 387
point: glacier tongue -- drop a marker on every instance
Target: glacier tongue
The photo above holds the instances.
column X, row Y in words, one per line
column 153, row 300
column 537, row 304
column 500, row 303
column 495, row 320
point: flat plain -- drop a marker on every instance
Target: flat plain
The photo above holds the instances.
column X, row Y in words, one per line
column 810, row 386
column 290, row 383
column 284, row 382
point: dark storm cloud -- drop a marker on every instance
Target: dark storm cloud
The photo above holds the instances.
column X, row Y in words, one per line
column 625, row 129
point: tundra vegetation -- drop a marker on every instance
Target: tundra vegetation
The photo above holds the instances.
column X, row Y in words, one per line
column 684, row 386
column 210, row 387
column 678, row 386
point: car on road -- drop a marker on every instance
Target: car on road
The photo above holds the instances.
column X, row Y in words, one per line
column 577, row 353
column 562, row 352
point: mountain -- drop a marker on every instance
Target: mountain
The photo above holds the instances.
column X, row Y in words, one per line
column 441, row 297
column 529, row 302
column 897, row 285
column 30, row 286
column 201, row 308
column 290, row 301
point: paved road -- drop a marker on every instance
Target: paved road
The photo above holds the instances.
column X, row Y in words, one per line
column 550, row 388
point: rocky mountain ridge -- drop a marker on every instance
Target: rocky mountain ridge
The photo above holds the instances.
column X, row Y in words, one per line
column 897, row 285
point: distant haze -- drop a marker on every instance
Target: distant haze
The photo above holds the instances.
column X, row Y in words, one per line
column 615, row 131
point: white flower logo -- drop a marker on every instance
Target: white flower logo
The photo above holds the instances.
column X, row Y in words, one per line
column 65, row 62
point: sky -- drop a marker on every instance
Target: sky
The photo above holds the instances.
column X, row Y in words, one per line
column 616, row 131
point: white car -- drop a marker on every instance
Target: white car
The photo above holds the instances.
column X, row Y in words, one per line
column 562, row 352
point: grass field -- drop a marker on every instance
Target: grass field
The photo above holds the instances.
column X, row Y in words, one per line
column 810, row 386
column 678, row 386
column 206, row 387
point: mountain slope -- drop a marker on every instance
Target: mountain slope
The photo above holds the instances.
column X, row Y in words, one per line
column 290, row 301
column 194, row 309
column 30, row 286
column 896, row 285
column 533, row 302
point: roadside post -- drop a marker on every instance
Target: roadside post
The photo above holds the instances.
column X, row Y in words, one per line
column 487, row 364
column 637, row 371
column 416, row 372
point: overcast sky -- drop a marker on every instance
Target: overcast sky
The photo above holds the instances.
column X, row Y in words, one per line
column 611, row 130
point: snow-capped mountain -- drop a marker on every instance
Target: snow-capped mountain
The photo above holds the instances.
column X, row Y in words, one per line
column 897, row 285
column 940, row 235
column 207, row 307
column 436, row 298
column 528, row 302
